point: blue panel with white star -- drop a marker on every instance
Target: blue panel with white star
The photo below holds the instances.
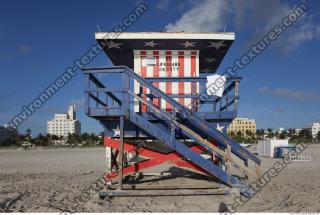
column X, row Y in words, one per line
column 120, row 51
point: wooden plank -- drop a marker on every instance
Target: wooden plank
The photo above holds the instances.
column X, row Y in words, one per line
column 121, row 153
column 207, row 143
column 198, row 137
column 228, row 159
column 165, row 186
column 258, row 170
column 180, row 192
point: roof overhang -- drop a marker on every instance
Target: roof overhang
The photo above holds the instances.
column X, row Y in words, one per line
column 212, row 46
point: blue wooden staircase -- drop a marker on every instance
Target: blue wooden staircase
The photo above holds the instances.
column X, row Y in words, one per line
column 170, row 128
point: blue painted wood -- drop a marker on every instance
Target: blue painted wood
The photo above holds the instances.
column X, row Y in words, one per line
column 193, row 119
column 198, row 122
column 166, row 134
column 165, row 137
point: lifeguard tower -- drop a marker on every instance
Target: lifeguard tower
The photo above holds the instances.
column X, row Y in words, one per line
column 154, row 107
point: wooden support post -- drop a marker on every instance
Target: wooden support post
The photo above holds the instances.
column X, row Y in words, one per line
column 108, row 159
column 125, row 94
column 87, row 99
column 227, row 99
column 194, row 101
column 258, row 170
column 236, row 94
column 173, row 127
column 228, row 159
column 121, row 153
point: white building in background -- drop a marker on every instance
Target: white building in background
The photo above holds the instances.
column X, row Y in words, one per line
column 65, row 123
column 315, row 129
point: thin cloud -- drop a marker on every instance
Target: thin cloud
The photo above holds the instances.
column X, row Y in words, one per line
column 166, row 5
column 5, row 55
column 263, row 90
column 24, row 49
column 204, row 16
column 287, row 93
column 278, row 109
column 256, row 15
column 306, row 31
column 163, row 5
column 5, row 96
column 51, row 110
column 77, row 102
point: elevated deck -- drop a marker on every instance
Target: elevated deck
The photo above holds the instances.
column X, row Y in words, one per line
column 188, row 133
column 103, row 105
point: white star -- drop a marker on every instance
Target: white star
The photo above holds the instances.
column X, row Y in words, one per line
column 150, row 43
column 210, row 60
column 114, row 45
column 216, row 45
column 116, row 131
column 188, row 44
column 220, row 128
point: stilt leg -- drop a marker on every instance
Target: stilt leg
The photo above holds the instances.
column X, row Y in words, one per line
column 121, row 153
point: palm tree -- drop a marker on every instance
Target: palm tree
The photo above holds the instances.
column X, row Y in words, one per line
column 260, row 133
column 276, row 134
column 85, row 136
column 318, row 137
column 249, row 136
column 283, row 135
column 15, row 137
column 28, row 135
column 74, row 139
column 270, row 133
column 232, row 134
column 305, row 135
column 45, row 139
column 49, row 139
column 36, row 141
column 291, row 132
column 95, row 138
column 70, row 139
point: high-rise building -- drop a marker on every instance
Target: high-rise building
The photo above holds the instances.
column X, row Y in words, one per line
column 315, row 129
column 65, row 123
column 242, row 124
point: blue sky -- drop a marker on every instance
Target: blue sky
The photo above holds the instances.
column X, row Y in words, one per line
column 39, row 39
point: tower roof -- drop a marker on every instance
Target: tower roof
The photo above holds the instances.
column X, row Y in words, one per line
column 212, row 46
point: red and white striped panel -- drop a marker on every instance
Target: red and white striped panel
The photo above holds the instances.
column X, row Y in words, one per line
column 167, row 63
